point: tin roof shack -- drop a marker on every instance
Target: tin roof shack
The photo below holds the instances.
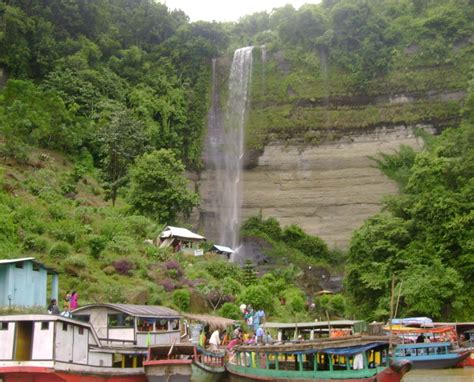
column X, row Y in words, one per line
column 181, row 240
column 223, row 251
column 131, row 325
column 24, row 282
column 316, row 329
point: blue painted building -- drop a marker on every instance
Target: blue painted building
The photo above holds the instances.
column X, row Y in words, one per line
column 24, row 282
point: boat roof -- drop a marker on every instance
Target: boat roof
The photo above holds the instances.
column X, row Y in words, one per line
column 342, row 345
column 399, row 329
column 214, row 322
column 313, row 324
column 32, row 259
column 134, row 310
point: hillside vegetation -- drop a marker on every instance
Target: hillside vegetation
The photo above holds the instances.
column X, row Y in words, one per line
column 103, row 107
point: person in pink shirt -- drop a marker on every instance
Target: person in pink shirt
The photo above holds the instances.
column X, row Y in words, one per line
column 73, row 301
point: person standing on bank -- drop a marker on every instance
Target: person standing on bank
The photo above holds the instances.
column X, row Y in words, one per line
column 73, row 301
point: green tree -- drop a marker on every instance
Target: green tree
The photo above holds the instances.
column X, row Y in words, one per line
column 121, row 141
column 182, row 299
column 158, row 187
column 249, row 274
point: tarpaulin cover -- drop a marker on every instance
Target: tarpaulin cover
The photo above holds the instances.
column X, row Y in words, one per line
column 353, row 349
column 346, row 351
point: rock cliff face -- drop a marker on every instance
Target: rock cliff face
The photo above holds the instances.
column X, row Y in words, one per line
column 328, row 189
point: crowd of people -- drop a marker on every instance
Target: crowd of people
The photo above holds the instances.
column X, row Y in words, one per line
column 70, row 303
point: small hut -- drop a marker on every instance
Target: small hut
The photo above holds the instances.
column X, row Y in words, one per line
column 181, row 240
column 223, row 251
column 197, row 322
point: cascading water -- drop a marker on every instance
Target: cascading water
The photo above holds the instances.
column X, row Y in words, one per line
column 225, row 151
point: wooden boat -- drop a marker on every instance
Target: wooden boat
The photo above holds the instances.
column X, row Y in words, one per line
column 183, row 362
column 431, row 355
column 170, row 363
column 208, row 366
column 49, row 348
column 354, row 359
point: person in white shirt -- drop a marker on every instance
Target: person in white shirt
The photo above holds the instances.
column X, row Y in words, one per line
column 215, row 340
column 66, row 313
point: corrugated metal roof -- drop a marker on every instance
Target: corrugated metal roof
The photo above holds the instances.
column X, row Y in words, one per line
column 222, row 248
column 180, row 233
column 6, row 261
column 32, row 259
column 136, row 310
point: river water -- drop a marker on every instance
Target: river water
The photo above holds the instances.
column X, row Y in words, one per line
column 445, row 375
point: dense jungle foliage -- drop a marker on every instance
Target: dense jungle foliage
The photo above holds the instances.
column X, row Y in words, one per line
column 96, row 95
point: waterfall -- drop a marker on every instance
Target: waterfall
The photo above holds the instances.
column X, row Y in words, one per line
column 225, row 152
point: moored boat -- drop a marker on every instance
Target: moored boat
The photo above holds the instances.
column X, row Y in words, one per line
column 354, row 358
column 170, row 363
column 208, row 366
column 49, row 348
column 431, row 355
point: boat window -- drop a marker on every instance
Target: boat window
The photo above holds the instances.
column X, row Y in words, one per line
column 81, row 330
column 82, row 317
column 45, row 325
column 4, row 326
column 64, row 327
column 36, row 267
column 162, row 324
column 19, row 265
column 120, row 320
column 145, row 324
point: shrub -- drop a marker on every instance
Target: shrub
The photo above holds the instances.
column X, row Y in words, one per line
column 97, row 244
column 182, row 299
column 139, row 226
column 230, row 310
column 259, row 297
column 60, row 250
column 74, row 264
column 36, row 243
column 123, row 267
column 122, row 245
column 173, row 269
column 168, row 284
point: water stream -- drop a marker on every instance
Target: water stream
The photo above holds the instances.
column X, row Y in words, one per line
column 225, row 150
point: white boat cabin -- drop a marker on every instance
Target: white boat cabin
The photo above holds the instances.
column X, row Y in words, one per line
column 131, row 325
column 56, row 342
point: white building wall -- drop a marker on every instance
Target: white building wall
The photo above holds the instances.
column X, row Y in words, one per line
column 42, row 348
column 7, row 338
column 64, row 342
column 81, row 344
column 100, row 359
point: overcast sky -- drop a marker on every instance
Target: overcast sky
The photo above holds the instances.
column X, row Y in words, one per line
column 228, row 10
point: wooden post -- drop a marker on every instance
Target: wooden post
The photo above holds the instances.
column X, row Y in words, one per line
column 391, row 317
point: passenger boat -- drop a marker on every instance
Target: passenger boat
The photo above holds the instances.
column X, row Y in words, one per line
column 183, row 362
column 434, row 347
column 170, row 363
column 431, row 355
column 208, row 366
column 354, row 359
column 49, row 348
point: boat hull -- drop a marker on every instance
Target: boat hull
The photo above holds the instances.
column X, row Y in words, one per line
column 203, row 373
column 44, row 374
column 177, row 370
column 452, row 360
column 389, row 374
column 468, row 361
